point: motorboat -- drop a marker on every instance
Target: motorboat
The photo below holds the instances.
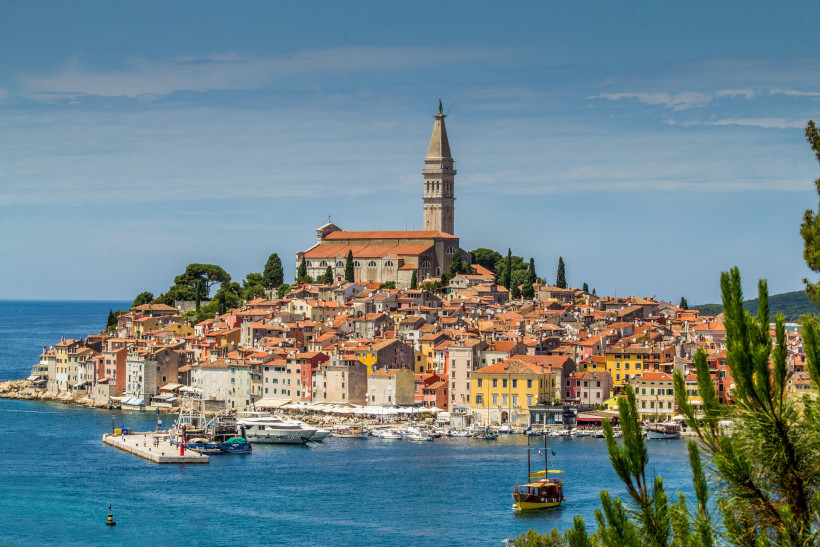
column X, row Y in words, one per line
column 541, row 491
column 461, row 433
column 486, row 435
column 560, row 433
column 268, row 429
column 581, row 432
column 505, row 429
column 202, row 445
column 236, row 445
column 386, row 434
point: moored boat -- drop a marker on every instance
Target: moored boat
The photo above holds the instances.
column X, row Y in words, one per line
column 541, row 491
column 236, row 445
column 663, row 430
column 350, row 432
column 267, row 429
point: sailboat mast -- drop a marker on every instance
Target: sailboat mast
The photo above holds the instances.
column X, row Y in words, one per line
column 529, row 471
column 546, row 466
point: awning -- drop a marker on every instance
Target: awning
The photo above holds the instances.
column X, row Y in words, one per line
column 170, row 387
column 34, row 377
column 132, row 401
column 271, row 403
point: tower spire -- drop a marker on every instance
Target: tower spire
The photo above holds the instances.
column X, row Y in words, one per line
column 439, row 180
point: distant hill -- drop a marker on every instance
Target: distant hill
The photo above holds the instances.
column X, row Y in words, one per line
column 791, row 304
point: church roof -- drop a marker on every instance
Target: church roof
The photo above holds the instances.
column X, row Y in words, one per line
column 365, row 251
column 407, row 234
column 439, row 145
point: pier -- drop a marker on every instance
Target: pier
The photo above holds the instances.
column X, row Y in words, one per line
column 143, row 445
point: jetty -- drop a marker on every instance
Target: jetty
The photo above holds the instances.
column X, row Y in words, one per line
column 153, row 447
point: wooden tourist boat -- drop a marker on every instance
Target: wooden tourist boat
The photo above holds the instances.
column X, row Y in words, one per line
column 541, row 491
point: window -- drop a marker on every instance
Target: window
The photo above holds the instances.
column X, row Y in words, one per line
column 323, row 263
column 529, row 383
column 617, row 366
column 426, row 264
column 504, row 382
column 515, row 400
column 529, row 400
column 389, row 264
column 479, row 382
column 479, row 399
column 495, row 398
column 495, row 382
column 450, row 250
column 371, row 264
column 357, row 264
column 309, row 264
column 340, row 264
column 515, row 383
column 504, row 399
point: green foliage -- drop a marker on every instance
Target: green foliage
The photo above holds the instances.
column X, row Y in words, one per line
column 531, row 538
column 144, row 297
column 388, row 285
column 810, row 228
column 229, row 296
column 349, row 272
column 328, row 277
column 283, row 289
column 527, row 291
column 273, row 275
column 560, row 277
column 792, row 305
column 456, row 266
column 683, row 303
column 585, row 288
column 111, row 323
column 431, row 285
column 531, row 276
column 301, row 271
column 414, row 282
column 486, row 257
column 253, row 286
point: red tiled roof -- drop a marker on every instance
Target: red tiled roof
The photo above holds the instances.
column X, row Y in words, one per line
column 408, row 234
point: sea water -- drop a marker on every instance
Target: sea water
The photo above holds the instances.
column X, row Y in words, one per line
column 57, row 478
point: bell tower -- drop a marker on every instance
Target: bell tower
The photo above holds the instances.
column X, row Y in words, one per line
column 439, row 180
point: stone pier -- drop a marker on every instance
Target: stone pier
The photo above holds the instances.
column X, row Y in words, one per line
column 143, row 445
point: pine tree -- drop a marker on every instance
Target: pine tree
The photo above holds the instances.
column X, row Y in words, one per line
column 301, row 271
column 273, row 275
column 810, row 228
column 414, row 282
column 349, row 274
column 683, row 303
column 515, row 292
column 560, row 278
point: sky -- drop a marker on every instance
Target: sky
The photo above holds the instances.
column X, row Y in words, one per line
column 652, row 145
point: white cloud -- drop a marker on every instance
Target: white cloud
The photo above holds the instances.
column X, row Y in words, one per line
column 794, row 93
column 732, row 93
column 142, row 77
column 766, row 123
column 676, row 101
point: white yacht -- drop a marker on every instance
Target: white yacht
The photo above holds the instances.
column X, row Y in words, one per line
column 261, row 427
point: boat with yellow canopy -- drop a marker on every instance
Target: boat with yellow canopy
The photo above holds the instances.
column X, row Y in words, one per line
column 542, row 490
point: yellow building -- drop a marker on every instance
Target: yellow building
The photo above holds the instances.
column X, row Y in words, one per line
column 504, row 392
column 654, row 396
column 626, row 362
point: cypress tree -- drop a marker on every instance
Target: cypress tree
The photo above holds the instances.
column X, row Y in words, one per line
column 560, row 278
column 508, row 270
column 329, row 275
column 414, row 282
column 456, row 265
column 349, row 276
column 531, row 276
column 586, row 288
column 683, row 303
column 273, row 275
column 301, row 272
column 198, row 294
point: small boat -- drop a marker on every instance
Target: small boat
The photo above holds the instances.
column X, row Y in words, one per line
column 487, row 435
column 201, row 445
column 505, row 429
column 386, row 434
column 236, row 445
column 663, row 430
column 353, row 432
column 541, row 490
column 560, row 433
column 420, row 436
column 460, row 433
column 582, row 432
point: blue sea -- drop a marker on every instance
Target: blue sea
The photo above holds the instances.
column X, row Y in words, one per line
column 57, row 478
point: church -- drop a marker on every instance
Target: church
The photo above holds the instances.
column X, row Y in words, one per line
column 382, row 256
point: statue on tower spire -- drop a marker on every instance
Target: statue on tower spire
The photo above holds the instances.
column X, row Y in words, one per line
column 440, row 108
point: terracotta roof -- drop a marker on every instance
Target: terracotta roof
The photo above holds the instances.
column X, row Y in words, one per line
column 407, row 234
